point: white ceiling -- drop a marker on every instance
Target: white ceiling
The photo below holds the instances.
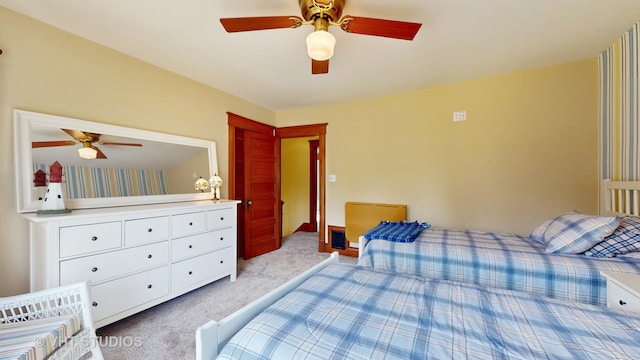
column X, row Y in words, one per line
column 459, row 40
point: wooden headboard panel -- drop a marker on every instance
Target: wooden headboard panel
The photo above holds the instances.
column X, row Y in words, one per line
column 361, row 217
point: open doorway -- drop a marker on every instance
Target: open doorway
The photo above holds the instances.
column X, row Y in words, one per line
column 315, row 132
column 260, row 224
column 300, row 185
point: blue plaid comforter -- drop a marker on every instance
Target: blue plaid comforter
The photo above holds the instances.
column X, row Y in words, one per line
column 398, row 231
column 501, row 261
column 350, row 312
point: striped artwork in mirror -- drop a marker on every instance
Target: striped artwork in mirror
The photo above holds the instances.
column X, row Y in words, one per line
column 86, row 182
column 619, row 78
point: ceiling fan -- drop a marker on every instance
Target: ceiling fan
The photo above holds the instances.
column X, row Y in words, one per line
column 87, row 139
column 321, row 14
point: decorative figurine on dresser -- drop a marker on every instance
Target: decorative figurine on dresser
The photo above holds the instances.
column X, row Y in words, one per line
column 53, row 202
column 155, row 242
column 40, row 183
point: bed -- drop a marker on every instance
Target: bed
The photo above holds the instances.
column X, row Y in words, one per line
column 353, row 312
column 520, row 262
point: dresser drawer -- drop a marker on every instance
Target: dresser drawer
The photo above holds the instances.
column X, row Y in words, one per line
column 194, row 245
column 621, row 299
column 190, row 272
column 147, row 230
column 112, row 264
column 187, row 224
column 220, row 218
column 119, row 295
column 83, row 239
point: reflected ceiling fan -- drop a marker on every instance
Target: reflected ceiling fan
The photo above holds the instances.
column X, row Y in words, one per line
column 87, row 139
column 321, row 14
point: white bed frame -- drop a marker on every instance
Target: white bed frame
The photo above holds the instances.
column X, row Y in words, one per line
column 616, row 198
column 212, row 336
column 620, row 197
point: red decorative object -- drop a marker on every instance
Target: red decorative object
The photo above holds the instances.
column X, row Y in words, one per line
column 55, row 173
column 53, row 202
column 39, row 178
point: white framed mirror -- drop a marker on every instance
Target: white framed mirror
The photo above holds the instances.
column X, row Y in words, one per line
column 131, row 166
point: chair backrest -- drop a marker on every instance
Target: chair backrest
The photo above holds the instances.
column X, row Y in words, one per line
column 56, row 302
column 65, row 300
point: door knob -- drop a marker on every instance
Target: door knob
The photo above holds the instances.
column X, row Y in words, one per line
column 249, row 202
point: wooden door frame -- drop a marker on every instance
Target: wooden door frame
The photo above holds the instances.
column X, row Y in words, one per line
column 314, row 145
column 319, row 130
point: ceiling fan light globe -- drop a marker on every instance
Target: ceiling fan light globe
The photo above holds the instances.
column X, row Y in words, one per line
column 87, row 153
column 320, row 45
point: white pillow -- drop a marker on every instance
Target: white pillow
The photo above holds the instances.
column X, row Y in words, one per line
column 574, row 233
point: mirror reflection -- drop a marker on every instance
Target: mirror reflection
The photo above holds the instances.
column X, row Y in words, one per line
column 103, row 163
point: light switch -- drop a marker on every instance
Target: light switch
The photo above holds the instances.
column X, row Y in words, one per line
column 332, row 178
column 460, row 115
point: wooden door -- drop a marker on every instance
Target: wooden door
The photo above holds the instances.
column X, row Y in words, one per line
column 255, row 221
column 260, row 219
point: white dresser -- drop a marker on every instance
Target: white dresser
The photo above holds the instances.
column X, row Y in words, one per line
column 623, row 291
column 135, row 256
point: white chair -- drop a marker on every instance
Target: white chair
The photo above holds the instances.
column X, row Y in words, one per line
column 37, row 322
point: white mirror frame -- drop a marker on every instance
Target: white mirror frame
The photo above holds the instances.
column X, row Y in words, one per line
column 22, row 121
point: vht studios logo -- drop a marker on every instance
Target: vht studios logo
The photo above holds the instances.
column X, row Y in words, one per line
column 120, row 341
column 104, row 341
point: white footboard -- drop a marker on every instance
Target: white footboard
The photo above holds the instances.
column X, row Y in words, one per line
column 212, row 336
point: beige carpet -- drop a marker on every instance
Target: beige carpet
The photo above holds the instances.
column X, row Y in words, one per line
column 167, row 331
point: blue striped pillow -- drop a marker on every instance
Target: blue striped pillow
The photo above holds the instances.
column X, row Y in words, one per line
column 574, row 233
column 625, row 239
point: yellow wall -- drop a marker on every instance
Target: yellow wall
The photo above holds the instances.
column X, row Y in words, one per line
column 46, row 70
column 527, row 152
column 295, row 183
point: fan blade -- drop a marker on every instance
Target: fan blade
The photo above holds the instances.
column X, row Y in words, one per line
column 381, row 27
column 100, row 154
column 39, row 144
column 260, row 23
column 319, row 67
column 76, row 134
column 118, row 143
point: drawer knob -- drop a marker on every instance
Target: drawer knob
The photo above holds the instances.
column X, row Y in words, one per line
column 190, row 224
column 190, row 272
column 221, row 238
column 221, row 218
column 149, row 286
column 94, row 238
column 190, row 246
column 94, row 269
column 94, row 304
column 622, row 302
column 149, row 230
column 221, row 261
column 149, row 256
